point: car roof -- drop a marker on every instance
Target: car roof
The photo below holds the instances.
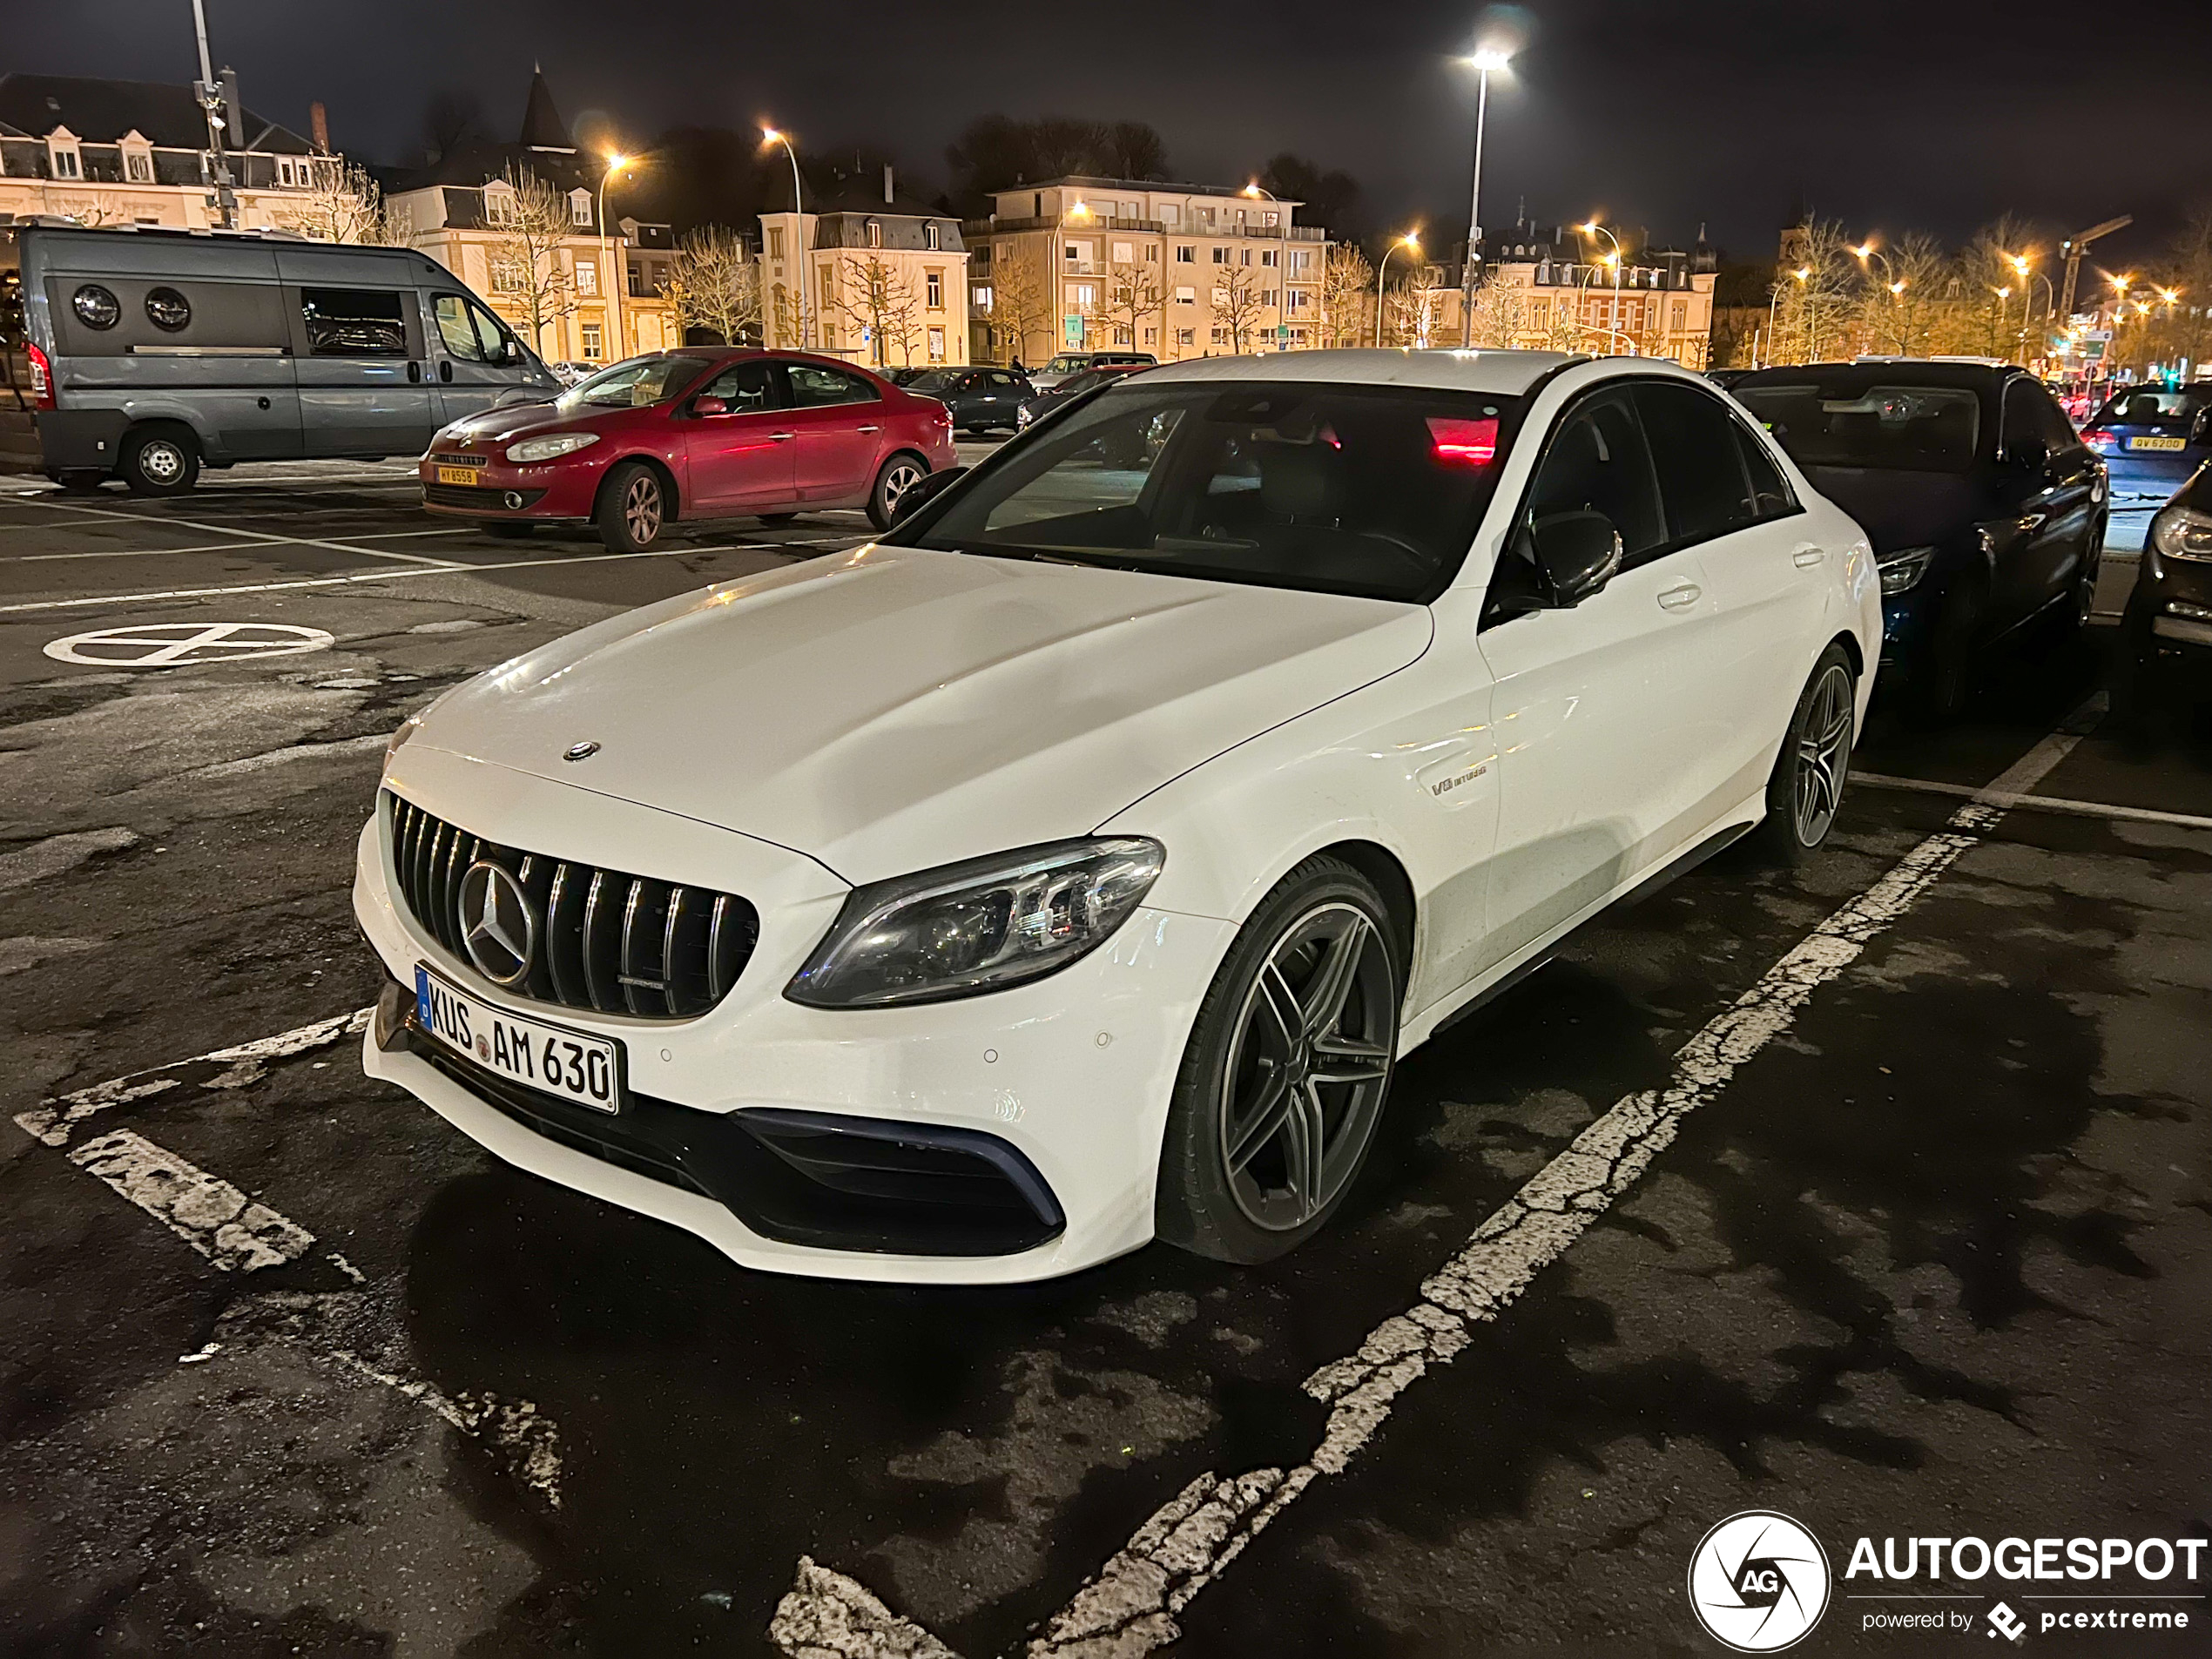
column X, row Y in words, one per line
column 1868, row 371
column 1503, row 373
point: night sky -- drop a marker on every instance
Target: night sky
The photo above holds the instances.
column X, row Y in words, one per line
column 1887, row 114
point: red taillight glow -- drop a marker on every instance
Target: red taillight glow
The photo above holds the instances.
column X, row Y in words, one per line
column 41, row 377
column 2100, row 440
column 1463, row 442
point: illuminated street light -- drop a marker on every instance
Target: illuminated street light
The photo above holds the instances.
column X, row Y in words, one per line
column 770, row 136
column 616, row 163
column 1257, row 191
column 1486, row 61
column 1412, row 239
column 1591, row 227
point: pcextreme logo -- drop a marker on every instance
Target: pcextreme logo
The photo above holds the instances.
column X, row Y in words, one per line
column 1758, row 1581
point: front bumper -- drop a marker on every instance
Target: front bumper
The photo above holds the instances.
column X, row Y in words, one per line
column 1071, row 1074
column 502, row 489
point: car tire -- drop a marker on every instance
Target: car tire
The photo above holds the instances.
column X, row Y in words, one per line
column 507, row 530
column 159, row 461
column 775, row 521
column 892, row 480
column 1261, row 1146
column 633, row 508
column 2081, row 603
column 1805, row 790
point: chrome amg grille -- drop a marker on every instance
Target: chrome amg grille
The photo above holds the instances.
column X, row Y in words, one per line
column 616, row 943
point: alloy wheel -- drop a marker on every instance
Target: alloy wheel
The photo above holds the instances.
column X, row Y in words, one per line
column 1308, row 1066
column 2085, row 589
column 641, row 508
column 1823, row 754
column 898, row 479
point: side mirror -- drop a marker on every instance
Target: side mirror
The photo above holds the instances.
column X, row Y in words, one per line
column 1577, row 554
column 705, row 404
column 923, row 492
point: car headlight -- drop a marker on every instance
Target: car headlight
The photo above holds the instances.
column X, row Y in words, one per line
column 407, row 728
column 560, row 443
column 1901, row 569
column 2183, row 533
column 983, row 925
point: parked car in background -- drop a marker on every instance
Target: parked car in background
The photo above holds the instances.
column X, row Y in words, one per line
column 907, row 375
column 980, row 399
column 2167, row 625
column 2153, row 440
column 573, row 374
column 705, row 432
column 1072, row 866
column 1042, row 403
column 1725, row 378
column 143, row 354
column 1068, row 363
column 1986, row 511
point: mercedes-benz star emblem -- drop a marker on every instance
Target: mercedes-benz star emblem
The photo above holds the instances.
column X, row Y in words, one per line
column 583, row 750
column 498, row 925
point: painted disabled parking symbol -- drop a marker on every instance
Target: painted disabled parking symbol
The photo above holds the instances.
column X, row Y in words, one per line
column 179, row 645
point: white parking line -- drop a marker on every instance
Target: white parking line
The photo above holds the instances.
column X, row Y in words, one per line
column 457, row 567
column 210, row 1214
column 2035, row 803
column 260, row 541
column 234, row 529
column 1127, row 1608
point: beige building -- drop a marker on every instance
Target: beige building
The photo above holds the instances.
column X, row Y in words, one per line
column 1544, row 290
column 135, row 152
column 596, row 298
column 1177, row 270
column 865, row 274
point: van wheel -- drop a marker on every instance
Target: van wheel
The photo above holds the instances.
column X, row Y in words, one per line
column 160, row 461
column 1807, row 788
column 633, row 508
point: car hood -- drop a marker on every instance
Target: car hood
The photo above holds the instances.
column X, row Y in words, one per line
column 1898, row 508
column 490, row 427
column 894, row 709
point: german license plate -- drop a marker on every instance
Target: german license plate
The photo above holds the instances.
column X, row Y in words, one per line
column 549, row 1058
column 2158, row 443
column 457, row 475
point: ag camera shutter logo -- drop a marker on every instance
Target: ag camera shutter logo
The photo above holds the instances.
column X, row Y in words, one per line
column 1758, row 1581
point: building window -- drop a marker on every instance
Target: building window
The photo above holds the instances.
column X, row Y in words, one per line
column 1247, row 260
column 587, row 276
column 1082, row 295
column 1678, row 315
column 933, row 236
column 876, row 233
column 1221, row 256
column 63, row 153
column 936, row 343
column 933, row 287
column 1171, row 213
column 138, row 166
column 592, row 347
column 1186, row 336
column 1123, row 252
column 1220, row 335
column 1267, row 296
column 1185, row 255
column 1268, row 219
column 579, row 207
column 1267, row 256
column 637, row 282
column 775, row 241
column 506, row 277
column 1186, row 296
column 1151, row 254
column 1151, row 336
column 979, row 299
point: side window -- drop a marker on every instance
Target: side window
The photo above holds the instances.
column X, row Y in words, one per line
column 1702, row 481
column 1771, row 496
column 1000, row 377
column 1597, row 460
column 455, row 329
column 354, row 322
column 746, row 388
column 2058, row 431
column 813, row 386
column 497, row 341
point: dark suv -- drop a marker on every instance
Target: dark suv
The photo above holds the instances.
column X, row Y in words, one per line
column 1985, row 510
column 979, row 398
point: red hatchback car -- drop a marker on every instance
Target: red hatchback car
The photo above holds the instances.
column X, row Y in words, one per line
column 697, row 433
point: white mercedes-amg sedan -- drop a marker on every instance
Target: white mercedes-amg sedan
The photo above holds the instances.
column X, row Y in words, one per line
column 1069, row 868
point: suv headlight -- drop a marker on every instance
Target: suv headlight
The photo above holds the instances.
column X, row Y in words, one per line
column 983, row 925
column 1901, row 569
column 560, row 443
column 2183, row 533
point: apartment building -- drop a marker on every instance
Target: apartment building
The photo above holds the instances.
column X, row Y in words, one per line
column 863, row 273
column 1551, row 288
column 104, row 151
column 1177, row 270
column 587, row 299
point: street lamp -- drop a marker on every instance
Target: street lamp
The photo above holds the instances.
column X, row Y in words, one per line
column 1804, row 273
column 1485, row 62
column 616, row 163
column 1412, row 239
column 770, row 136
column 1282, row 276
column 1591, row 227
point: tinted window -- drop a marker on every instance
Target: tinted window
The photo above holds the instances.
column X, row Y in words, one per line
column 1912, row 428
column 354, row 322
column 2149, row 407
column 1770, row 491
column 1597, row 462
column 1701, row 482
column 2021, row 424
column 813, row 386
column 640, row 382
column 2058, row 431
column 1364, row 490
column 744, row 387
column 936, row 383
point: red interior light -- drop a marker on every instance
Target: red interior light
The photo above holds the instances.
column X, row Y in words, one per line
column 1464, row 443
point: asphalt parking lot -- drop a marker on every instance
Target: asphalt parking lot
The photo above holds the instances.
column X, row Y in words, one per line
column 1875, row 1192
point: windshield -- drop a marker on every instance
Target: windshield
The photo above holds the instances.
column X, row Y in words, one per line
column 2147, row 406
column 1089, row 378
column 1065, row 363
column 936, row 380
column 1368, row 490
column 1909, row 429
column 634, row 384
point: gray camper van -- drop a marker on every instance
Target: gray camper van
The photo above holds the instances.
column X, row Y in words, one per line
column 143, row 353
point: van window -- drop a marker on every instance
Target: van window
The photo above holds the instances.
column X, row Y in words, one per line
column 457, row 330
column 354, row 322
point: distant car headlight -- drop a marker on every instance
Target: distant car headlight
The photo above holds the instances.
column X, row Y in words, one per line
column 983, row 925
column 560, row 443
column 2183, row 533
column 1901, row 569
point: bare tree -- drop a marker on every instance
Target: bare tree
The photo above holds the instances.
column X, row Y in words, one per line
column 1235, row 304
column 531, row 226
column 1132, row 293
column 876, row 296
column 1348, row 282
column 1020, row 305
column 1500, row 316
column 344, row 205
column 713, row 284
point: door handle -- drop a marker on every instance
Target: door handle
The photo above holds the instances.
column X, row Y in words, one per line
column 1806, row 557
column 1676, row 598
column 781, row 437
column 413, row 370
column 870, row 429
column 445, row 372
